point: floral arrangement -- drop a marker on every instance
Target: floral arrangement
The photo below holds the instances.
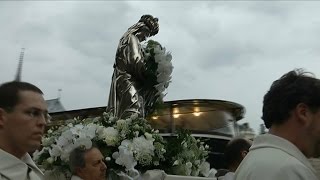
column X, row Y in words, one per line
column 159, row 66
column 187, row 155
column 57, row 145
column 127, row 143
column 138, row 145
column 130, row 146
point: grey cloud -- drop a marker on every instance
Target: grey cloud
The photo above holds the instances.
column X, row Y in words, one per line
column 216, row 46
column 91, row 29
column 226, row 54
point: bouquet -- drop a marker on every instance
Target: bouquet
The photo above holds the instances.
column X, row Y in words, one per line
column 159, row 66
column 187, row 155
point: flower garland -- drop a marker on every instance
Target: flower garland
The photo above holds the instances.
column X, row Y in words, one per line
column 159, row 66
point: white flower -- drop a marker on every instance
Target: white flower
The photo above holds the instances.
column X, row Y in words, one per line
column 38, row 153
column 212, row 173
column 78, row 130
column 65, row 153
column 125, row 155
column 55, row 151
column 110, row 136
column 195, row 172
column 136, row 126
column 50, row 160
column 189, row 165
column 144, row 158
column 67, row 134
column 63, row 141
column 90, row 130
column 142, row 145
column 176, row 162
column 143, row 149
column 188, row 170
column 185, row 145
column 134, row 116
column 47, row 141
column 121, row 123
column 204, row 168
column 100, row 131
column 112, row 119
column 148, row 136
column 83, row 142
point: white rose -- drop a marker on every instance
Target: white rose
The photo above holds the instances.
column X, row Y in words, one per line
column 50, row 160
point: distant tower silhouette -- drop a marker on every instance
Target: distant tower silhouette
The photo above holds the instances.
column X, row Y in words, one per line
column 19, row 70
column 59, row 93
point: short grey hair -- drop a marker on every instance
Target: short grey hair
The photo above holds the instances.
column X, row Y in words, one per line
column 76, row 158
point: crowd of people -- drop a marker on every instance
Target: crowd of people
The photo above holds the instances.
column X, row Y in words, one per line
column 291, row 112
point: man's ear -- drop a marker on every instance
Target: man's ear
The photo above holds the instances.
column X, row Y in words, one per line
column 2, row 117
column 79, row 172
column 303, row 113
column 244, row 153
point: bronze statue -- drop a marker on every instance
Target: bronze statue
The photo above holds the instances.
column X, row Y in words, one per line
column 126, row 92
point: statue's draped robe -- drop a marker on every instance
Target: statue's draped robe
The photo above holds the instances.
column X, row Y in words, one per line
column 129, row 70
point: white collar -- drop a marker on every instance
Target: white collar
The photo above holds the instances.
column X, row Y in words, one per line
column 270, row 140
column 74, row 177
column 14, row 168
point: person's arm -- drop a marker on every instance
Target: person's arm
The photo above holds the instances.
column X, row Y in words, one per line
column 135, row 53
column 136, row 63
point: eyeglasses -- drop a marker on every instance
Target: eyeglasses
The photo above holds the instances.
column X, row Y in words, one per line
column 34, row 113
column 37, row 113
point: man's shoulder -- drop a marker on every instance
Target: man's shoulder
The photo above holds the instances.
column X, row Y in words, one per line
column 272, row 163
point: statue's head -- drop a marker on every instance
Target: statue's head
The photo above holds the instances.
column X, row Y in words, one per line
column 151, row 22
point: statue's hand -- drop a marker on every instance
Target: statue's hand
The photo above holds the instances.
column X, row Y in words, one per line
column 137, row 57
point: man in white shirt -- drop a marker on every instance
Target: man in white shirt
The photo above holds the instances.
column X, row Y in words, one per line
column 23, row 117
column 291, row 111
column 87, row 164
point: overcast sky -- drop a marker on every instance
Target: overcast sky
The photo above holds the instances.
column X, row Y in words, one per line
column 221, row 50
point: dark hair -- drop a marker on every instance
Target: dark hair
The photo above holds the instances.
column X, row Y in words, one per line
column 286, row 93
column 9, row 93
column 233, row 151
column 76, row 158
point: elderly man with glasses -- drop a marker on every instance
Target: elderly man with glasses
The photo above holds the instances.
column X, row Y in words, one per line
column 23, row 117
